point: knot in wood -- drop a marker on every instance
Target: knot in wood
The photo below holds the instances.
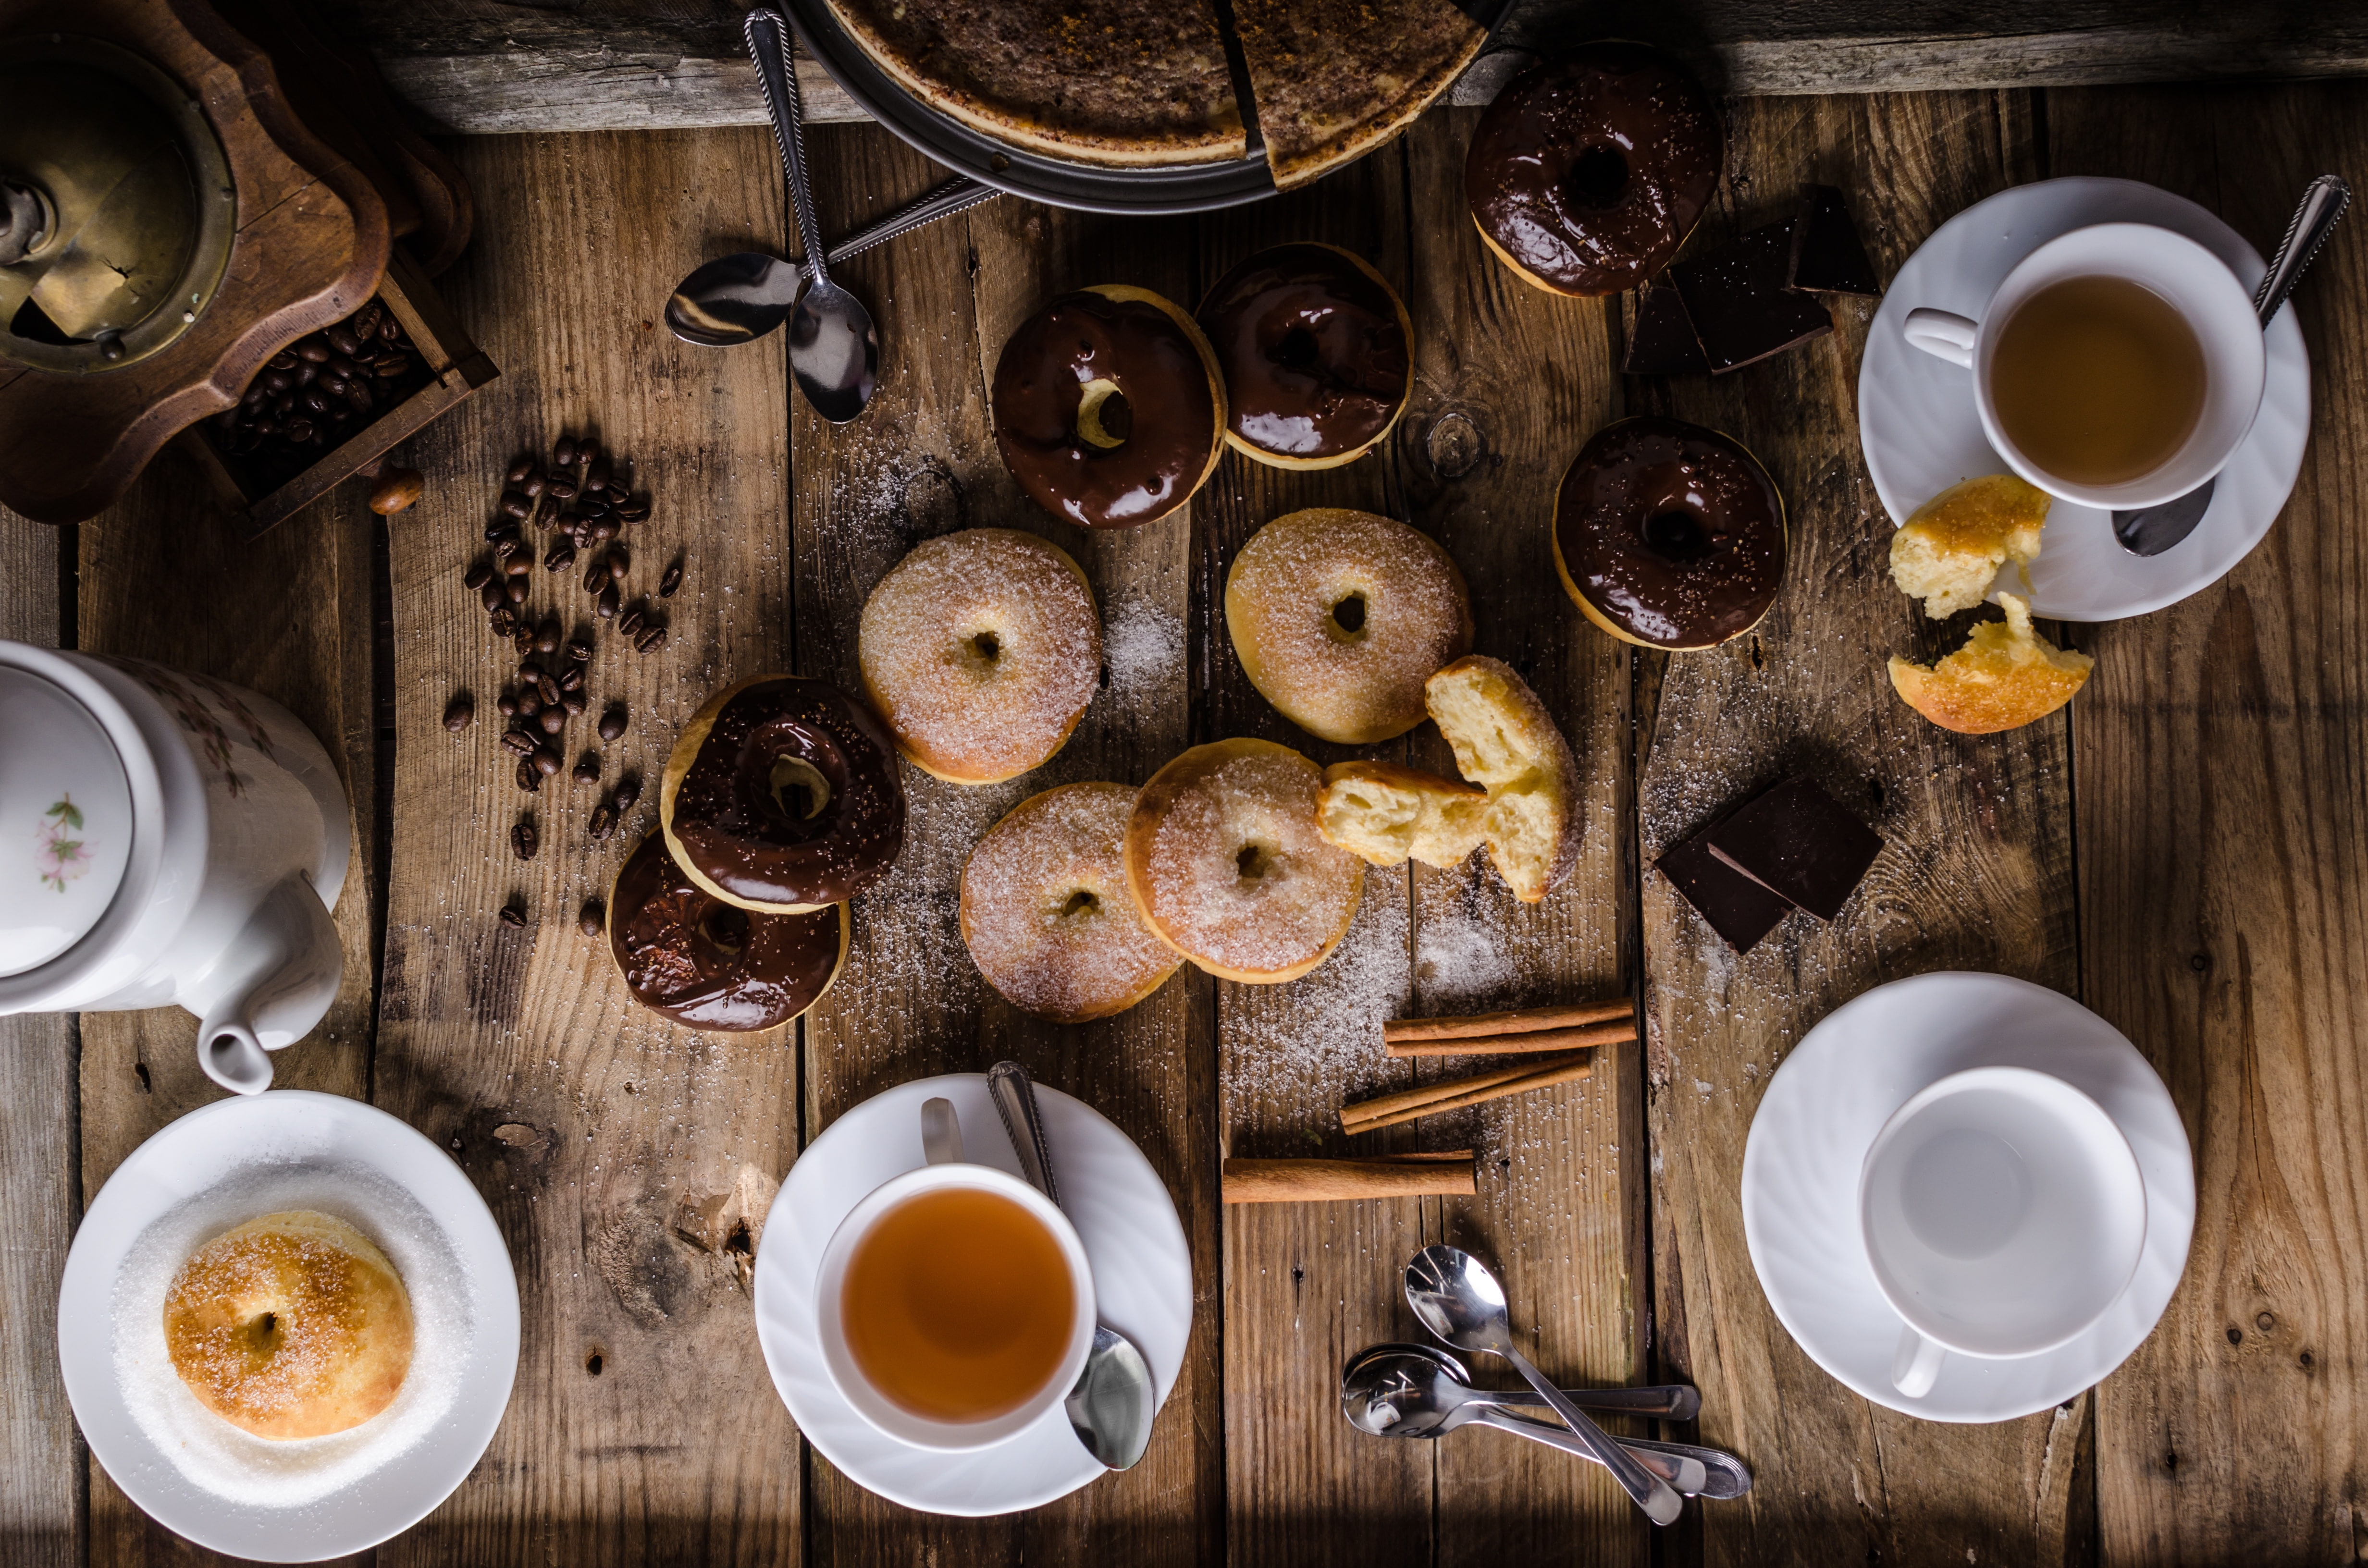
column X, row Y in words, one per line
column 931, row 503
column 1454, row 446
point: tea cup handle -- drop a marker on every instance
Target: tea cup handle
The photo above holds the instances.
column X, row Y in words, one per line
column 1944, row 334
column 1916, row 1363
column 941, row 1140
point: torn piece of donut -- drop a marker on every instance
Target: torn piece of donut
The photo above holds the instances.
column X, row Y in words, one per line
column 2004, row 678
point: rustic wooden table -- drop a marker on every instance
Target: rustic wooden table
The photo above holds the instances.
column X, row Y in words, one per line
column 2183, row 850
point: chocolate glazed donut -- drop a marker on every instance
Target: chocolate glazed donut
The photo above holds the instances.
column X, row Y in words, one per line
column 1109, row 407
column 1588, row 173
column 783, row 795
column 691, row 956
column 1669, row 535
column 1312, row 342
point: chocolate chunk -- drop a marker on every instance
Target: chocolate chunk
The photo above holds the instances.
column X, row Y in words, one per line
column 1742, row 303
column 1799, row 843
column 1827, row 253
column 1662, row 341
column 1737, row 908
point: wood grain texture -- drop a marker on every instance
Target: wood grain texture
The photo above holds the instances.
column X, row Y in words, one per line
column 40, row 1190
column 643, row 1427
column 2224, row 882
column 922, row 462
column 1978, row 873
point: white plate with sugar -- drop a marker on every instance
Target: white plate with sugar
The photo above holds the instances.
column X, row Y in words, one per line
column 195, row 1472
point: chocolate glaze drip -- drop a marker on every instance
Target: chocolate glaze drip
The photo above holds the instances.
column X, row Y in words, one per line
column 1590, row 171
column 1673, row 532
column 1172, row 417
column 744, row 814
column 1314, row 360
column 699, row 960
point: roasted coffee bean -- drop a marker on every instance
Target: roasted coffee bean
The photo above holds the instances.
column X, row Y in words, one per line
column 480, row 572
column 512, row 916
column 554, row 718
column 342, row 339
column 505, row 705
column 517, row 589
column 603, row 529
column 520, row 565
column 562, row 451
column 298, row 431
column 560, row 490
column 533, row 484
column 529, row 670
column 631, row 622
column 579, row 649
column 508, row 545
column 573, row 702
column 671, row 580
column 596, row 575
column 561, row 557
column 587, row 769
column 312, row 351
column 519, row 740
column 632, row 511
column 528, row 779
column 460, row 712
column 590, row 505
column 587, row 452
column 620, row 560
column 519, row 468
column 529, row 704
column 595, row 474
column 652, row 638
column 548, row 762
column 629, row 790
column 516, row 504
column 499, row 527
column 612, row 722
column 603, row 822
column 593, row 918
column 548, row 689
column 283, row 360
column 489, row 593
column 523, row 638
column 523, row 839
column 605, row 606
column 546, row 637
column 571, row 679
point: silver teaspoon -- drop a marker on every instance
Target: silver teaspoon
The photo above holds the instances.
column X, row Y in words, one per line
column 2150, row 530
column 834, row 349
column 1664, row 1402
column 1395, row 1391
column 1111, row 1405
column 1458, row 1299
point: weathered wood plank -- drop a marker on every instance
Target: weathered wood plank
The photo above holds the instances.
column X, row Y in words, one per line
column 643, row 1427
column 1978, row 876
column 166, row 574
column 2223, row 872
column 921, row 462
column 42, row 1485
column 1508, row 377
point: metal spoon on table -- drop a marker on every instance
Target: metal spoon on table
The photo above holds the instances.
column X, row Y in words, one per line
column 833, row 348
column 1661, row 1402
column 2150, row 530
column 1457, row 1299
column 740, row 298
column 1412, row 1391
column 1114, row 1399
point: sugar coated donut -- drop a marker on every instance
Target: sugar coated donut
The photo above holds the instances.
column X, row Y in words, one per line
column 981, row 650
column 1223, row 859
column 1315, row 348
column 1669, row 535
column 291, row 1325
column 696, row 959
column 782, row 795
column 1046, row 914
column 1588, row 171
column 1340, row 617
column 1109, row 408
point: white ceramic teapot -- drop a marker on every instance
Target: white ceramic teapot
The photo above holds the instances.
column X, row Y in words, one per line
column 166, row 837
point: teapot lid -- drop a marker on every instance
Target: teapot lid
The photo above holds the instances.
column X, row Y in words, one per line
column 65, row 821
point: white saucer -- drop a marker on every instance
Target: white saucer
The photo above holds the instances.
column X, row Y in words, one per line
column 1143, row 1281
column 1922, row 433
column 223, row 1164
column 1820, row 1114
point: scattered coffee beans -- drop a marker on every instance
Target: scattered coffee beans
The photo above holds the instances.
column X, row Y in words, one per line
column 593, row 919
column 652, row 638
column 480, row 572
column 587, row 769
column 528, row 779
column 612, row 722
column 671, row 580
column 603, row 822
column 524, row 840
column 311, row 396
column 519, row 741
column 512, row 916
column 460, row 712
column 629, row 790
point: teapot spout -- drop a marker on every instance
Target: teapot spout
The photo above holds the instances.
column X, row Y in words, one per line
column 275, row 983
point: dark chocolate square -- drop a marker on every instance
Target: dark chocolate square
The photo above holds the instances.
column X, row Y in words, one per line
column 1799, row 843
column 1663, row 343
column 1734, row 906
column 1827, row 253
column 1742, row 301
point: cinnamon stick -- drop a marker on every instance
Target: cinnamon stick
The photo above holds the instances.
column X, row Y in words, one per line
column 1432, row 1099
column 1506, row 1044
column 1521, row 1020
column 1325, row 1181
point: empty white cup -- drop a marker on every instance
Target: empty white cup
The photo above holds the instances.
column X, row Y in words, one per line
column 2003, row 1212
column 2197, row 284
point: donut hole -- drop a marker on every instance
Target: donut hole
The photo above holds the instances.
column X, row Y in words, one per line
column 725, row 927
column 1104, row 417
column 263, row 1335
column 1598, row 180
column 797, row 788
column 1297, row 350
column 1082, row 904
column 1348, row 618
column 1252, row 864
column 987, row 646
column 1677, row 535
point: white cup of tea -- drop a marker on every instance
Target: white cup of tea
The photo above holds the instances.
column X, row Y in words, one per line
column 2003, row 1212
column 2118, row 365
column 955, row 1302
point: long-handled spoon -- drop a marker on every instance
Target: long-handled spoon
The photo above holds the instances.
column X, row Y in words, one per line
column 1411, row 1392
column 740, row 298
column 1114, row 1399
column 1663, row 1402
column 834, row 349
column 2150, row 530
column 1458, row 1299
